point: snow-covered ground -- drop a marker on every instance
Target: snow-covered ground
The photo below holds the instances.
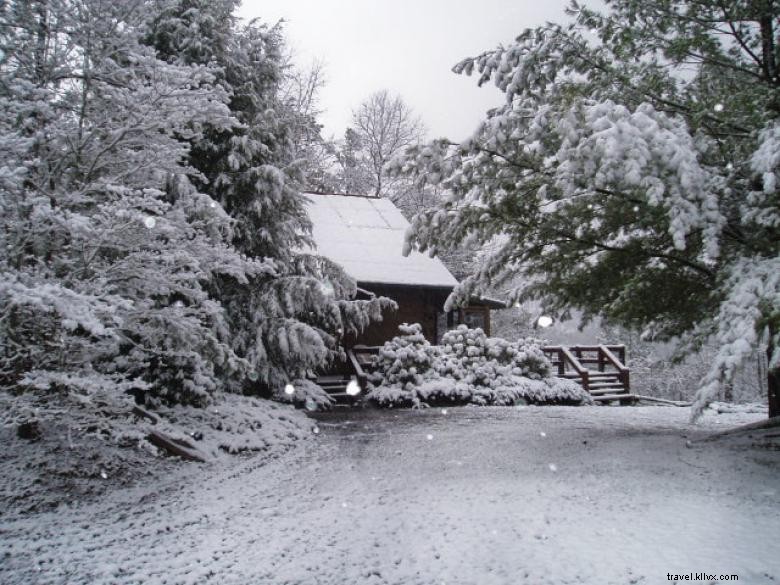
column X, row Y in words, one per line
column 463, row 496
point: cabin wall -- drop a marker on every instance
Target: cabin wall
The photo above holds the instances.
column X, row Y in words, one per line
column 415, row 305
column 419, row 305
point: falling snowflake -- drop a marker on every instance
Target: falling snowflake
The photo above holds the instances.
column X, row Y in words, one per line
column 316, row 430
column 344, row 505
column 353, row 388
column 444, row 411
column 544, row 321
column 150, row 222
column 543, row 434
column 429, row 437
column 289, row 389
column 553, row 467
column 212, row 205
column 103, row 475
column 718, row 107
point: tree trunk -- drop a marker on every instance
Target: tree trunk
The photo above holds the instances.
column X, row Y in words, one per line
column 766, row 21
column 42, row 41
column 773, row 381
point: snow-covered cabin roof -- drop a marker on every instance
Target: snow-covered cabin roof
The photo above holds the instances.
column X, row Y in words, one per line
column 366, row 236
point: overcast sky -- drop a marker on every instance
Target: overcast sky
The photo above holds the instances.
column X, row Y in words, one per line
column 406, row 46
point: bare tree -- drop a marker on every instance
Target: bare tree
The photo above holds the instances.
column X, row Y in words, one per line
column 385, row 125
column 300, row 88
column 299, row 94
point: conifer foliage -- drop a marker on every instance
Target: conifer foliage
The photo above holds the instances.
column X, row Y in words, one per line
column 103, row 272
column 151, row 232
column 289, row 320
column 631, row 173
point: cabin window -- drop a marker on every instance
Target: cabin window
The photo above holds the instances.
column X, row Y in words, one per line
column 474, row 319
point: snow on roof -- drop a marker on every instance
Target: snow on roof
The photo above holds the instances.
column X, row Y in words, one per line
column 366, row 236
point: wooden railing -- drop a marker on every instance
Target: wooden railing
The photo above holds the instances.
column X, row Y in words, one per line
column 357, row 367
column 618, row 364
column 571, row 363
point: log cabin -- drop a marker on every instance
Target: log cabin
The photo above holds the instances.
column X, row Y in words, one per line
column 365, row 235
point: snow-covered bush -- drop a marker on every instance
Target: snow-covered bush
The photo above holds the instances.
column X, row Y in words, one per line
column 406, row 359
column 468, row 354
column 512, row 389
column 467, row 367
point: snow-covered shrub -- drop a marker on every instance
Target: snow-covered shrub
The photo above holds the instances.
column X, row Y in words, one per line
column 406, row 359
column 468, row 354
column 469, row 367
column 516, row 389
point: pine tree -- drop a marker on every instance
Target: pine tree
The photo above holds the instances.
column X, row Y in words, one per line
column 108, row 245
column 354, row 175
column 631, row 174
column 286, row 322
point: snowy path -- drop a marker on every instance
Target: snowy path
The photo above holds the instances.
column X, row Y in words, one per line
column 474, row 496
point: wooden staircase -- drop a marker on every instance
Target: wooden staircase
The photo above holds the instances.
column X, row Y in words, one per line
column 336, row 387
column 610, row 380
column 336, row 384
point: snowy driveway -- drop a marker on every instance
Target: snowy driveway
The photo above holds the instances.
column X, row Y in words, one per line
column 470, row 496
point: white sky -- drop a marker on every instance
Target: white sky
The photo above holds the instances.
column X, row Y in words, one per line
column 405, row 46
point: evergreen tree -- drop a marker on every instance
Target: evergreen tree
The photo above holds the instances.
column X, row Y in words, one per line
column 287, row 321
column 631, row 174
column 108, row 246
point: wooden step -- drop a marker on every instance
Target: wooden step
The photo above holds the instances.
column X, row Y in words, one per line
column 336, row 387
column 612, row 397
column 592, row 375
column 607, row 391
column 332, row 385
column 331, row 379
column 605, row 384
